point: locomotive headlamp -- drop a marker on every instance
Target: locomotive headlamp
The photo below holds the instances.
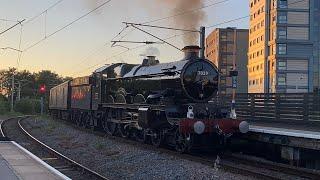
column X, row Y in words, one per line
column 244, row 127
column 199, row 127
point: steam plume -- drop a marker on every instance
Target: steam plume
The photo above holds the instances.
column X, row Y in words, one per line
column 151, row 51
column 190, row 20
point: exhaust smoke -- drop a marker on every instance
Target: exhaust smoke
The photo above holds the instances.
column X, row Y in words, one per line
column 189, row 20
column 151, row 51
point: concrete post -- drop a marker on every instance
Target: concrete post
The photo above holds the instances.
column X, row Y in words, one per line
column 12, row 92
column 42, row 105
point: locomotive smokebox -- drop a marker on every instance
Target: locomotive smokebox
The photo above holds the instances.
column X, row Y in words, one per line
column 191, row 52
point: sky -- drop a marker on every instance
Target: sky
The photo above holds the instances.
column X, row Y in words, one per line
column 85, row 45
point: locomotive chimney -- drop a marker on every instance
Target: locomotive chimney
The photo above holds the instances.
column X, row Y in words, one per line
column 191, row 52
column 150, row 61
column 151, row 58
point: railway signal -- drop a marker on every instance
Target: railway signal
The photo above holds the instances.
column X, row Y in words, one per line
column 42, row 89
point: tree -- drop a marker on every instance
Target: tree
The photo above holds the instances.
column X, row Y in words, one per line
column 26, row 81
column 29, row 82
column 5, row 81
column 47, row 78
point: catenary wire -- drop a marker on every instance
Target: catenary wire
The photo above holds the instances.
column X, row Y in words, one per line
column 163, row 18
column 43, row 12
column 233, row 20
column 69, row 24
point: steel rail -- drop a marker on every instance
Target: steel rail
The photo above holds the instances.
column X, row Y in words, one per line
column 240, row 165
column 273, row 166
column 1, row 128
column 5, row 120
column 59, row 155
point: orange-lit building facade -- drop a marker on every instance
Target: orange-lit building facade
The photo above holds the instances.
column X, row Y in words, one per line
column 284, row 41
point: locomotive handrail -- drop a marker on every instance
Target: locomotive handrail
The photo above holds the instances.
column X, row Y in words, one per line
column 146, row 76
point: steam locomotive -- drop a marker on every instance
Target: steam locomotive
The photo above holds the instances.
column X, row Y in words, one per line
column 162, row 103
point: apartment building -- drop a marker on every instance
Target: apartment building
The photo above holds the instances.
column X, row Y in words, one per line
column 284, row 41
column 223, row 46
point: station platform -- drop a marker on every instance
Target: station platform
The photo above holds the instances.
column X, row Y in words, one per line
column 290, row 134
column 17, row 163
column 286, row 130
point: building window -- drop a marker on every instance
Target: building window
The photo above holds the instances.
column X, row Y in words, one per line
column 282, row 33
column 282, row 18
column 282, row 65
column 282, row 49
column 223, row 36
column 283, row 4
column 230, row 36
column 281, row 81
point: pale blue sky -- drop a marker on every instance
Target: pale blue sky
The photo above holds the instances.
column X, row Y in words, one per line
column 74, row 50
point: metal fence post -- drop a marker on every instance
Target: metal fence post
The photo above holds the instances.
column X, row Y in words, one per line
column 277, row 107
column 252, row 106
column 306, row 107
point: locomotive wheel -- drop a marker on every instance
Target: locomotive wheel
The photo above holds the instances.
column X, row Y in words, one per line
column 156, row 138
column 183, row 142
column 78, row 119
column 141, row 136
column 123, row 130
column 111, row 128
column 86, row 121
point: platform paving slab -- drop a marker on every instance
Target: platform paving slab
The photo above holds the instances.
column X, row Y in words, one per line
column 16, row 164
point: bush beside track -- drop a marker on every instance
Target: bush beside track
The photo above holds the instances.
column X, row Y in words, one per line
column 4, row 105
column 23, row 106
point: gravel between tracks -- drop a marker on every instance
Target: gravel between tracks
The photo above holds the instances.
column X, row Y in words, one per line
column 118, row 160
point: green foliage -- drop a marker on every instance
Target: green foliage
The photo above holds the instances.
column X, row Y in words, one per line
column 4, row 106
column 28, row 106
column 29, row 83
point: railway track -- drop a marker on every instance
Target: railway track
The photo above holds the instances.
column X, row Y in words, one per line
column 281, row 171
column 238, row 163
column 13, row 129
column 246, row 165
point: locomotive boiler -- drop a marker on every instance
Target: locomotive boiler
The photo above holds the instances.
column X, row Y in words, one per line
column 164, row 103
